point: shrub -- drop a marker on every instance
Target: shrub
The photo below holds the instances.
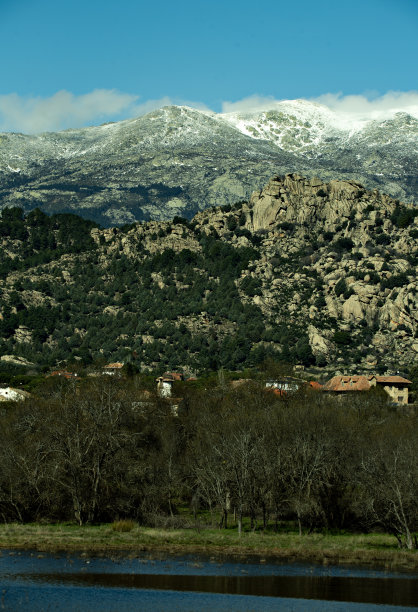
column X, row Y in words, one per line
column 374, row 278
column 397, row 280
column 402, row 216
column 342, row 338
column 251, row 286
column 382, row 239
column 180, row 221
column 231, row 224
column 286, row 226
column 226, row 208
column 340, row 287
column 123, row 525
column 320, row 301
column 343, row 244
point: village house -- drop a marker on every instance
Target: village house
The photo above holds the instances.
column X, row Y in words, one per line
column 113, row 369
column 63, row 374
column 395, row 386
column 287, row 384
column 165, row 383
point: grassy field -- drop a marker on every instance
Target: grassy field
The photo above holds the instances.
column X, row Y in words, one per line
column 371, row 549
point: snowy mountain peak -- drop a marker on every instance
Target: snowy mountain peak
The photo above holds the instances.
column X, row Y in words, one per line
column 177, row 160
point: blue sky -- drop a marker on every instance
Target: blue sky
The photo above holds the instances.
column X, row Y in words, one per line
column 86, row 61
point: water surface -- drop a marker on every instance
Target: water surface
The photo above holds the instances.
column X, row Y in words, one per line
column 33, row 581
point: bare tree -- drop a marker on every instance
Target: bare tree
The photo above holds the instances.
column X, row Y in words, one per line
column 389, row 475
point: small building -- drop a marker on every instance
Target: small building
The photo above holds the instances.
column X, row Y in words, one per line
column 395, row 386
column 165, row 383
column 63, row 374
column 113, row 369
column 286, row 384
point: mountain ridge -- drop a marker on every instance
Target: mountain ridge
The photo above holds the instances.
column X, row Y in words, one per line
column 178, row 160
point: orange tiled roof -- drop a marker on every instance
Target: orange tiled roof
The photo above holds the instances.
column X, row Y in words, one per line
column 174, row 375
column 393, row 379
column 63, row 373
column 348, row 383
column 315, row 385
column 114, row 366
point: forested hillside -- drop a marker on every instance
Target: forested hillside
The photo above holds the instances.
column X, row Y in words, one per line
column 305, row 272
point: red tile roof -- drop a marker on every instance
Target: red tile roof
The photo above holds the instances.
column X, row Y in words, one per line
column 315, row 385
column 174, row 375
column 393, row 379
column 348, row 383
column 361, row 383
column 63, row 373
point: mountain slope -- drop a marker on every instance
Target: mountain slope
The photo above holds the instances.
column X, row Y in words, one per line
column 305, row 271
column 178, row 161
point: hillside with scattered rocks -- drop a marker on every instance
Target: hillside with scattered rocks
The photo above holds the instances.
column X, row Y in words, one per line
column 320, row 274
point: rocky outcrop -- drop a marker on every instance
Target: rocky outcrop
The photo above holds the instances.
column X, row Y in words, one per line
column 296, row 199
column 330, row 278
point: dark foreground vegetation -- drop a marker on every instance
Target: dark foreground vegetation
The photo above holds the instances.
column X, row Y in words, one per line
column 108, row 449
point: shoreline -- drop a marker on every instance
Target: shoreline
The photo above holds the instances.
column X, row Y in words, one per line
column 378, row 550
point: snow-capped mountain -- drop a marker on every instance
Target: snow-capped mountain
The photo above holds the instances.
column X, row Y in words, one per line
column 178, row 160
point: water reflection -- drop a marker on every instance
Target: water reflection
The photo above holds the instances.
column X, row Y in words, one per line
column 391, row 591
column 39, row 582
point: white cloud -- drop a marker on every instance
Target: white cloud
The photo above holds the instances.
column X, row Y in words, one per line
column 251, row 104
column 61, row 111
column 64, row 110
column 373, row 108
column 358, row 107
column 150, row 105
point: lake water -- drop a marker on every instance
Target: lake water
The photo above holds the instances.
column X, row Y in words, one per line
column 42, row 582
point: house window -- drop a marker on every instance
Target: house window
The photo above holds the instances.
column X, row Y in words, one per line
column 400, row 398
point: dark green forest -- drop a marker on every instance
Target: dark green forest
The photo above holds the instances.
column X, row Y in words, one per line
column 116, row 303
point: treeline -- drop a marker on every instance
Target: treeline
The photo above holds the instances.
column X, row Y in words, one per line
column 104, row 449
column 44, row 238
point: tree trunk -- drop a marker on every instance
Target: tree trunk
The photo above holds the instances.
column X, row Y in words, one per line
column 409, row 540
column 264, row 516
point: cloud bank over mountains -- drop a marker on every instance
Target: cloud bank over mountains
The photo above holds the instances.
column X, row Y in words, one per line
column 65, row 110
column 358, row 107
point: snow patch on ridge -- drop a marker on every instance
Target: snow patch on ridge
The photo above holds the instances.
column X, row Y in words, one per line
column 298, row 126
